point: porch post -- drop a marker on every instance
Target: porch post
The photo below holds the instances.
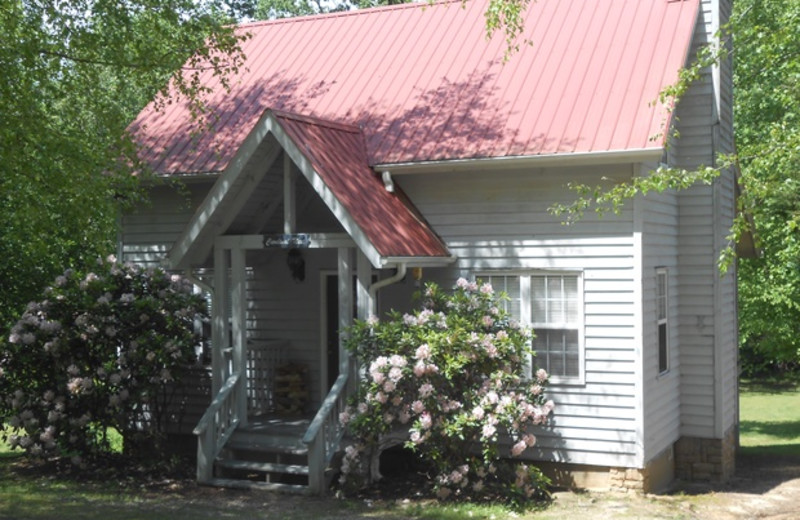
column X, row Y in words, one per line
column 219, row 322
column 345, row 304
column 239, row 326
column 364, row 278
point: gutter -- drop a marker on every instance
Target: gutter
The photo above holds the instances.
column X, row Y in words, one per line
column 413, row 261
column 522, row 161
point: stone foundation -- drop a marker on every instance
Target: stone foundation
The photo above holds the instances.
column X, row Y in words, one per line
column 654, row 478
column 708, row 460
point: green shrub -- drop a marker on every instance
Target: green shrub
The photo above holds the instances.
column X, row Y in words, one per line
column 449, row 378
column 102, row 350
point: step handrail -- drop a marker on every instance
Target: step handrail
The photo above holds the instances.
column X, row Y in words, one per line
column 216, row 426
column 325, row 433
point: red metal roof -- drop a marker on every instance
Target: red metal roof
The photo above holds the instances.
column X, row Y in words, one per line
column 423, row 82
column 338, row 155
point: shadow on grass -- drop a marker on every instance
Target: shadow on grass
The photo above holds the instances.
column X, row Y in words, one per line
column 776, row 429
column 773, row 384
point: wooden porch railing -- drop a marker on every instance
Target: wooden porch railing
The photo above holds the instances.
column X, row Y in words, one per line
column 217, row 425
column 325, row 433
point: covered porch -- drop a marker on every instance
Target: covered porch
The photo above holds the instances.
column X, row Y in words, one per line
column 301, row 236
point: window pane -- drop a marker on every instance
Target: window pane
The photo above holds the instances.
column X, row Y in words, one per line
column 555, row 311
column 571, row 341
column 510, row 286
column 573, row 365
column 557, row 351
column 662, row 348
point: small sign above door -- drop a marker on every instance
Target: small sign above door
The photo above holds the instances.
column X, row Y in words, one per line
column 288, row 241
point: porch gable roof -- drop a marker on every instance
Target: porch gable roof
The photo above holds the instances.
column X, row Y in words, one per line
column 332, row 157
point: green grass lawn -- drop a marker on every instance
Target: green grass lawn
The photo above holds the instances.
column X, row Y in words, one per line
column 770, row 417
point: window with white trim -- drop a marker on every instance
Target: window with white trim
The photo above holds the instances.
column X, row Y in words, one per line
column 552, row 304
column 662, row 318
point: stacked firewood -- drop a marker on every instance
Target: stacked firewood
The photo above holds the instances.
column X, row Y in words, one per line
column 291, row 390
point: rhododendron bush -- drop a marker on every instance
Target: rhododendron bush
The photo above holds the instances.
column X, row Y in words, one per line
column 100, row 350
column 450, row 378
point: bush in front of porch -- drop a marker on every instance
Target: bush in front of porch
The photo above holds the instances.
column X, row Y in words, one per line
column 449, row 379
column 100, row 351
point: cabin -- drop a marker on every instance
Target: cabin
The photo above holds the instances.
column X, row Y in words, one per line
column 358, row 155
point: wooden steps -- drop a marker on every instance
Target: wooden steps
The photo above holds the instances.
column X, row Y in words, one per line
column 266, row 486
column 266, row 454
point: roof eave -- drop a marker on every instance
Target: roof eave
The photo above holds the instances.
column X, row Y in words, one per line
column 417, row 261
column 638, row 155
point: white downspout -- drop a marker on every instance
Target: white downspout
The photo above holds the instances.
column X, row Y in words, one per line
column 380, row 284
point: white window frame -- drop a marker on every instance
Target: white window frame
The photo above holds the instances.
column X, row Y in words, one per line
column 525, row 317
column 662, row 320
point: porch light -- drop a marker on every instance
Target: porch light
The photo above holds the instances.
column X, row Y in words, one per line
column 297, row 264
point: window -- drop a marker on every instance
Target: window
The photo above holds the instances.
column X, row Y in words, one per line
column 551, row 303
column 662, row 319
column 555, row 318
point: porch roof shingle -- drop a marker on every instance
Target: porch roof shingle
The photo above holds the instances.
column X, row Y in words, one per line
column 338, row 155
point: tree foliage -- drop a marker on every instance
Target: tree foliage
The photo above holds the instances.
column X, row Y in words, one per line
column 767, row 117
column 75, row 73
column 505, row 16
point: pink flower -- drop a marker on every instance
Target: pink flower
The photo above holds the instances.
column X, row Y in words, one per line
column 425, row 421
column 478, row 413
column 397, row 400
column 417, row 407
column 419, row 369
column 378, row 377
column 425, row 390
column 462, row 283
column 395, row 374
column 423, row 352
column 530, row 439
column 404, row 417
column 487, row 321
column 488, row 430
column 541, row 375
column 518, row 448
column 381, row 397
column 389, row 387
column 487, row 289
column 344, row 418
column 398, row 361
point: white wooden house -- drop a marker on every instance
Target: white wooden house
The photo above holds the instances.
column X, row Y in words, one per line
column 359, row 154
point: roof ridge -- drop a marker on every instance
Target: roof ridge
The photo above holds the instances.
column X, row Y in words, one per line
column 318, row 121
column 354, row 12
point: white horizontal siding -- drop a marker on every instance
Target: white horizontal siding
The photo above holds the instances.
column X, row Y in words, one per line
column 148, row 232
column 497, row 221
column 661, row 408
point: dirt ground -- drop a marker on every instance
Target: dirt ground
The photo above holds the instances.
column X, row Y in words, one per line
column 763, row 488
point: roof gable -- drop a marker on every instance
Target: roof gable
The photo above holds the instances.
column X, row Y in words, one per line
column 331, row 156
column 424, row 84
